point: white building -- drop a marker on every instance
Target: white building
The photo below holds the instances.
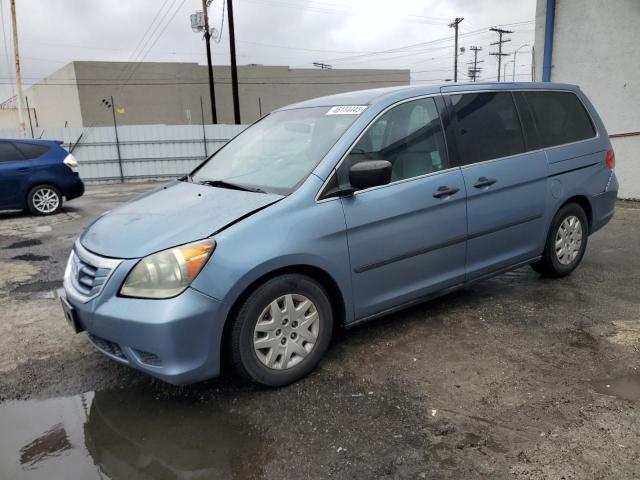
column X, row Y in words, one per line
column 594, row 44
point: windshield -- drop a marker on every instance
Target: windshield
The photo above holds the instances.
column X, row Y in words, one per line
column 279, row 151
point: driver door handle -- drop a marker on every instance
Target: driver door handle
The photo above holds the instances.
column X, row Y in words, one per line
column 445, row 192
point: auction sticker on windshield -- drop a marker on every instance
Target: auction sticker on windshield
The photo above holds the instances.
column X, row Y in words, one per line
column 347, row 110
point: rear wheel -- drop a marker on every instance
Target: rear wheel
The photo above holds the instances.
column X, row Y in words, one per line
column 282, row 330
column 566, row 242
column 44, row 200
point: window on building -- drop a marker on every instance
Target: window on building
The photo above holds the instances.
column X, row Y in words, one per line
column 559, row 117
column 487, row 126
column 409, row 136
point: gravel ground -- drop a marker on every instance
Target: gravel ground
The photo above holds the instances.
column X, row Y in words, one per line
column 515, row 377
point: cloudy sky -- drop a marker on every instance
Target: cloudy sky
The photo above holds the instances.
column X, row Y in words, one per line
column 410, row 34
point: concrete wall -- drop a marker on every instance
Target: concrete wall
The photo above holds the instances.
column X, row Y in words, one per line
column 169, row 93
column 594, row 46
column 9, row 118
column 55, row 99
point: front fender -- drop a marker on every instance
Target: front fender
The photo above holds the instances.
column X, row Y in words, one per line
column 297, row 231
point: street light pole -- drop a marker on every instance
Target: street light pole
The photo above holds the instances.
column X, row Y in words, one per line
column 504, row 73
column 514, row 59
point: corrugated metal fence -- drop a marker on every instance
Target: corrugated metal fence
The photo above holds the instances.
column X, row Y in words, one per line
column 146, row 151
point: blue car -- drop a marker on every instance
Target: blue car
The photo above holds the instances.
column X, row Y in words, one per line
column 37, row 175
column 334, row 211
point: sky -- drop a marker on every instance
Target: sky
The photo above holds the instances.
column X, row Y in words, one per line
column 411, row 34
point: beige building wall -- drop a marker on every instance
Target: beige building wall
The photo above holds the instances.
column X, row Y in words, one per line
column 55, row 99
column 169, row 93
column 9, row 119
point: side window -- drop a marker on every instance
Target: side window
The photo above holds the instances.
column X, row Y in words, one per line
column 559, row 117
column 488, row 126
column 409, row 136
column 9, row 153
column 31, row 151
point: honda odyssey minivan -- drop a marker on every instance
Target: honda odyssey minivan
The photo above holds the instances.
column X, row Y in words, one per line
column 335, row 211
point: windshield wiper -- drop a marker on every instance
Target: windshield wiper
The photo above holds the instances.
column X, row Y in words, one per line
column 233, row 186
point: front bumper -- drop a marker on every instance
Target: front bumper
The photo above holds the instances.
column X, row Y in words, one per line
column 176, row 339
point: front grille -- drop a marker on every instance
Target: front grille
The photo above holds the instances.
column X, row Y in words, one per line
column 107, row 346
column 87, row 273
column 88, row 279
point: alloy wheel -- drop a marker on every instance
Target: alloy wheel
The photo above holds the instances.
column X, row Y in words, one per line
column 45, row 200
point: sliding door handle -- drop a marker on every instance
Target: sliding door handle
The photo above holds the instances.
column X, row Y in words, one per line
column 484, row 182
column 445, row 192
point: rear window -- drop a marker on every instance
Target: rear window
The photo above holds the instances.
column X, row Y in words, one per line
column 488, row 126
column 31, row 151
column 560, row 117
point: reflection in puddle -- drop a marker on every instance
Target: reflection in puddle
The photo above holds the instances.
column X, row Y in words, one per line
column 51, row 443
column 625, row 388
column 127, row 434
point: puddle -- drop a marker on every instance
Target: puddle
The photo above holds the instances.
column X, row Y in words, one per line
column 624, row 388
column 48, row 286
column 123, row 434
column 30, row 257
column 32, row 242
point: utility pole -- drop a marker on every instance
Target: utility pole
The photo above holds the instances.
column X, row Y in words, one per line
column 455, row 24
column 207, row 39
column 500, row 41
column 515, row 53
column 234, row 67
column 474, row 72
column 14, row 24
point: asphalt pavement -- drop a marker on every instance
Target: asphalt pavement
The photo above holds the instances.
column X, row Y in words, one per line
column 514, row 377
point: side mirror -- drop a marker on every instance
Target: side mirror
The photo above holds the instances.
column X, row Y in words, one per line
column 370, row 173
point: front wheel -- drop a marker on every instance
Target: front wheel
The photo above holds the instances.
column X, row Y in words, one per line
column 282, row 330
column 566, row 242
column 44, row 200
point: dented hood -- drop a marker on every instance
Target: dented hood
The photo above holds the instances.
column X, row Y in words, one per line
column 177, row 213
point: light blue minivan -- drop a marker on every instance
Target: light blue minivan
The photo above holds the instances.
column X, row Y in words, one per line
column 334, row 211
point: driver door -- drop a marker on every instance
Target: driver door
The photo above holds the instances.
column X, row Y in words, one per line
column 407, row 239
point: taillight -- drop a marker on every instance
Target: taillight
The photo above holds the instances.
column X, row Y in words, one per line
column 610, row 159
column 71, row 162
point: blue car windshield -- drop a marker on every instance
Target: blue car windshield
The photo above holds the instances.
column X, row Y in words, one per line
column 278, row 152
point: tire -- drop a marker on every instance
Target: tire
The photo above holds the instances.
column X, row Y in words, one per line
column 44, row 200
column 284, row 335
column 570, row 229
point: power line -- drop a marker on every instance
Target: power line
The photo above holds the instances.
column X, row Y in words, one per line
column 144, row 39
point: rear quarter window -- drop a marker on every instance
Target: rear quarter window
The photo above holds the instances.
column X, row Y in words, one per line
column 31, row 151
column 9, row 153
column 559, row 117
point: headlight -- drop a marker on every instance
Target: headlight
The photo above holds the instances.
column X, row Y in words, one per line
column 168, row 273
